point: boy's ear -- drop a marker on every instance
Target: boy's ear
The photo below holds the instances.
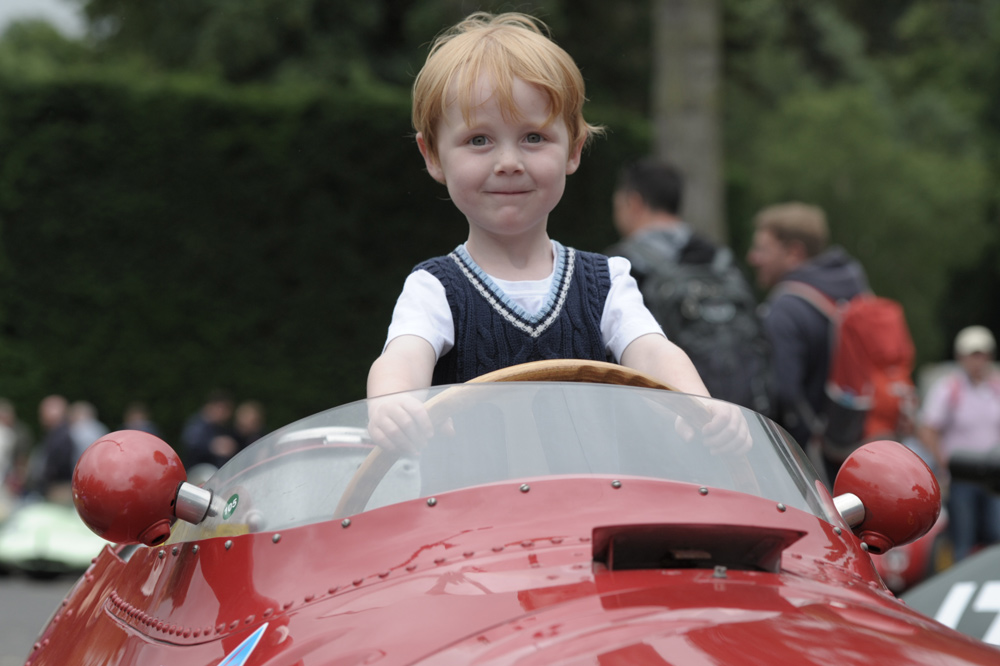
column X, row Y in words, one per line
column 573, row 163
column 433, row 167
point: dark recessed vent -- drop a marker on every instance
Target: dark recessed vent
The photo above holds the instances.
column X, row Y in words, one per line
column 738, row 547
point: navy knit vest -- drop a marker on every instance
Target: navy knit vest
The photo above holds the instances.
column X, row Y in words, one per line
column 492, row 332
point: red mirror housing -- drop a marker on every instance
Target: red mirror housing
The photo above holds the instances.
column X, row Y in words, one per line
column 901, row 496
column 125, row 486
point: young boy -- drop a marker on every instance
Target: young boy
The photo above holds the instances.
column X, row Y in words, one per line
column 498, row 113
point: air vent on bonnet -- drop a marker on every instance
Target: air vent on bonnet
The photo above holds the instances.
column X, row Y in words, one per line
column 698, row 546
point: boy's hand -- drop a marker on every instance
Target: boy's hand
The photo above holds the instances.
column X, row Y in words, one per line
column 725, row 433
column 399, row 422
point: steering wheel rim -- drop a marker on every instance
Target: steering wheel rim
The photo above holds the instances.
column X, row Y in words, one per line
column 359, row 490
column 573, row 370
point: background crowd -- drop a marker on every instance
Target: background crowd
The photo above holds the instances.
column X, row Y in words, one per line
column 41, row 465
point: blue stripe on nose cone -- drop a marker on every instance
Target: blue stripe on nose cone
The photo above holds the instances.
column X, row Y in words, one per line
column 240, row 655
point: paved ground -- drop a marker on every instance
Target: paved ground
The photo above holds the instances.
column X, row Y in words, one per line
column 25, row 605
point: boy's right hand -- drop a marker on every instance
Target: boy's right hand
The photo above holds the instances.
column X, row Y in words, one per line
column 399, row 422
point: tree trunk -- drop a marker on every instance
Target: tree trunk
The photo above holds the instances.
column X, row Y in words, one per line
column 686, row 92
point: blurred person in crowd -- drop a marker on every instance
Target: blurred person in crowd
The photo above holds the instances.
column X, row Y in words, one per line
column 208, row 435
column 23, row 440
column 962, row 413
column 248, row 423
column 691, row 285
column 137, row 417
column 6, row 454
column 790, row 244
column 84, row 427
column 51, row 469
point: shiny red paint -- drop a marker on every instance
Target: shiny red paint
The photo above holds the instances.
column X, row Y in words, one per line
column 124, row 487
column 900, row 493
column 505, row 574
column 905, row 566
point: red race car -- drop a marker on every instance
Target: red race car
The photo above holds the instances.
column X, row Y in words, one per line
column 570, row 517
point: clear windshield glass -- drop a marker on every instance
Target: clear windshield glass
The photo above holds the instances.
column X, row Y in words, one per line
column 309, row 471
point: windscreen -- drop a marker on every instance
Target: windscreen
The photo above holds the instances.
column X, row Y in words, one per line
column 326, row 466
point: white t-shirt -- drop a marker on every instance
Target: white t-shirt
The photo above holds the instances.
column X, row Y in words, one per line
column 422, row 308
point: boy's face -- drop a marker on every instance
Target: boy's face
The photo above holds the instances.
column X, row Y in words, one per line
column 504, row 174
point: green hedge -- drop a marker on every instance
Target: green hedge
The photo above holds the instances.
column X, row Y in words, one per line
column 163, row 237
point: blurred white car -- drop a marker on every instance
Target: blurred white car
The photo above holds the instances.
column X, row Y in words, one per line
column 46, row 539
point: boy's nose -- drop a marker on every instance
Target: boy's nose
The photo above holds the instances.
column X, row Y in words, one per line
column 508, row 161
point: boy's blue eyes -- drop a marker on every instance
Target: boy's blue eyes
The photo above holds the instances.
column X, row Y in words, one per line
column 481, row 140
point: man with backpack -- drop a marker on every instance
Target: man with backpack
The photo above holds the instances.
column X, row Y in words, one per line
column 789, row 249
column 961, row 413
column 694, row 289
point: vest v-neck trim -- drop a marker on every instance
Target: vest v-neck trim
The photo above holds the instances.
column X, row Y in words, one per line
column 532, row 324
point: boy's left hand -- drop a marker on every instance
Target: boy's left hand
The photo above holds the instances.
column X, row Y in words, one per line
column 725, row 433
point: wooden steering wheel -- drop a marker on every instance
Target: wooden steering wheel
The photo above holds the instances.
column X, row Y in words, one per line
column 359, row 490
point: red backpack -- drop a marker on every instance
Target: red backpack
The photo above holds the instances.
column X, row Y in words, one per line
column 869, row 388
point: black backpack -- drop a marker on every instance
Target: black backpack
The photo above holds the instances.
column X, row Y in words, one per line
column 708, row 309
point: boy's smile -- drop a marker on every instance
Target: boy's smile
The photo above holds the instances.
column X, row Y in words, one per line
column 505, row 173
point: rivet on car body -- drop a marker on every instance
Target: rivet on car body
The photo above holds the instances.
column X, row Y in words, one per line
column 527, row 544
column 497, row 549
column 616, row 484
column 781, row 507
column 864, row 546
column 703, row 490
column 194, row 548
column 525, row 487
column 358, row 581
column 439, row 560
column 837, row 531
column 432, row 501
column 346, row 522
column 276, row 538
column 175, row 551
column 228, row 544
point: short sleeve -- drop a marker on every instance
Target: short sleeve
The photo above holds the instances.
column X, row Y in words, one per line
column 422, row 310
column 625, row 316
